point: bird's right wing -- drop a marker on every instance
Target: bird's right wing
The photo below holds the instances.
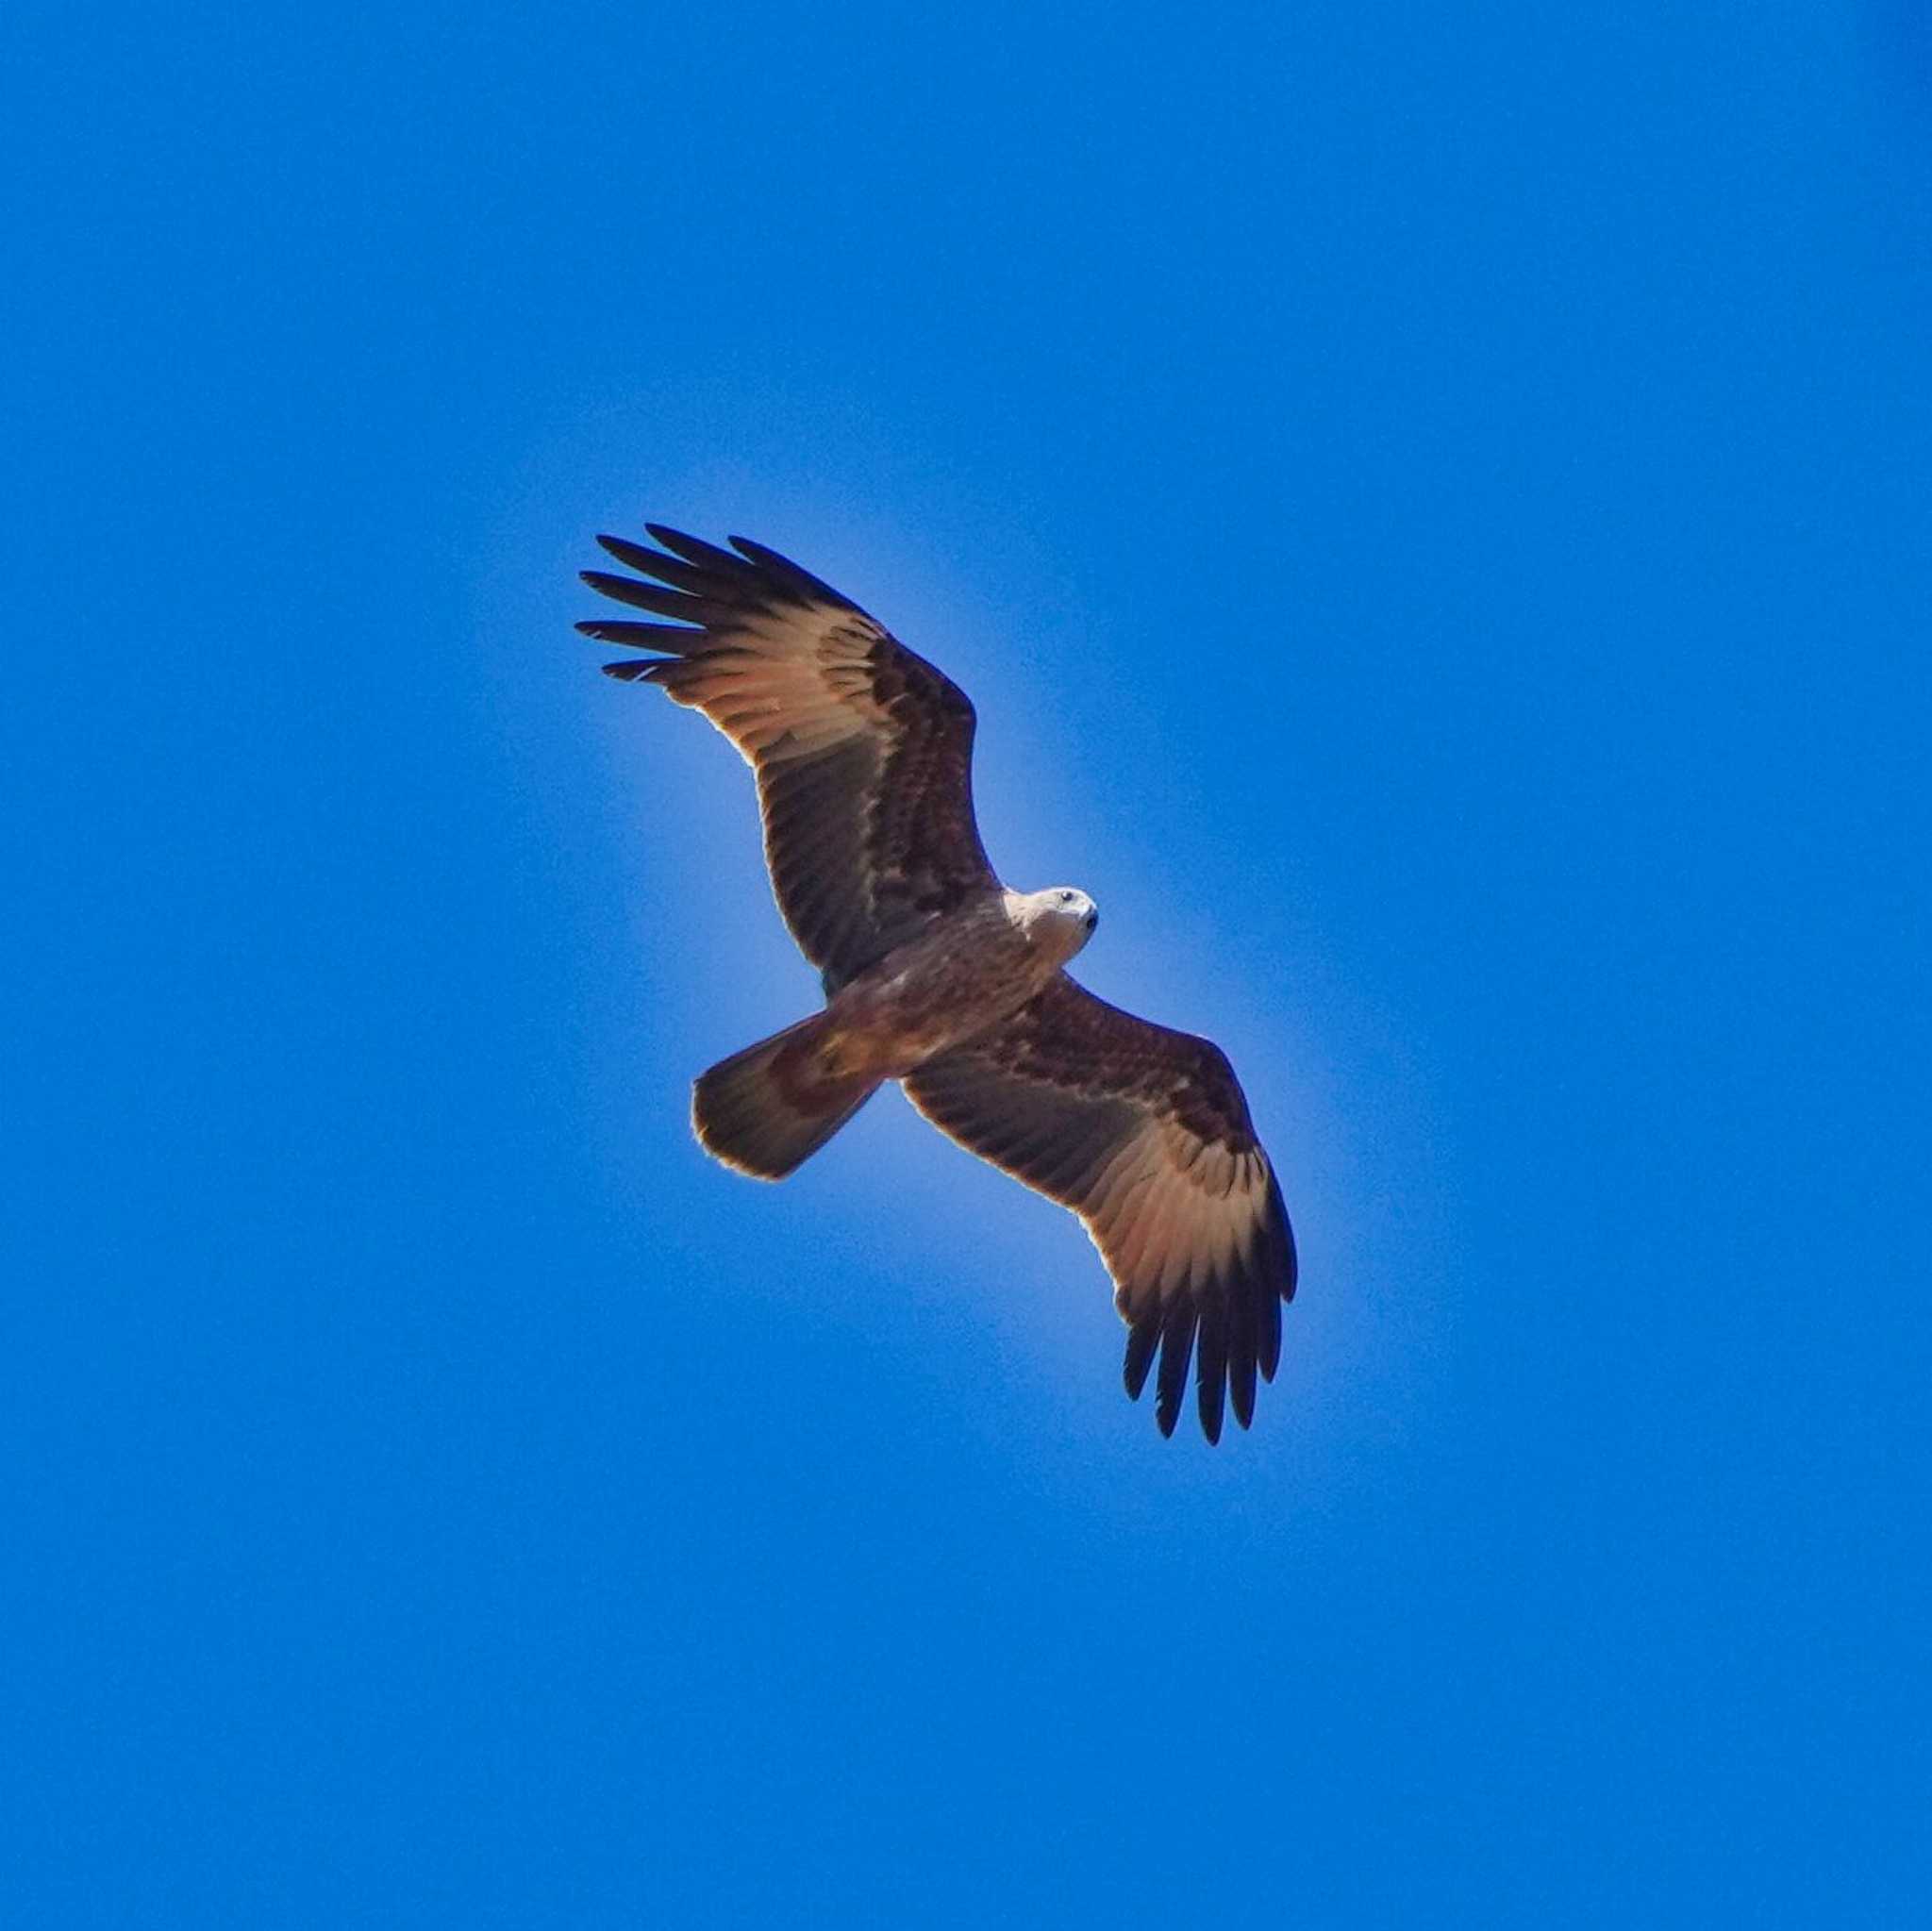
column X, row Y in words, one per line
column 863, row 750
column 1144, row 1133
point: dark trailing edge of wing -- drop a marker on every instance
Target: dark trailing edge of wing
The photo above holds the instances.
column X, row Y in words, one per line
column 698, row 585
column 1230, row 1325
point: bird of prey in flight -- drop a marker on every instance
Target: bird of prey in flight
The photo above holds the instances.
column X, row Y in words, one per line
column 938, row 976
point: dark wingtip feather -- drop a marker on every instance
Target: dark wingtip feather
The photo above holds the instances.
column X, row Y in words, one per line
column 667, row 637
column 653, row 597
column 1248, row 1308
column 632, row 555
column 695, row 550
column 1241, row 1387
column 1143, row 1339
column 794, row 576
column 1176, row 1345
column 1210, row 1367
column 1277, row 1214
column 1268, row 1354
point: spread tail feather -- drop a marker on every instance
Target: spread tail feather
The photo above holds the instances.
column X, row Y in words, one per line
column 765, row 1109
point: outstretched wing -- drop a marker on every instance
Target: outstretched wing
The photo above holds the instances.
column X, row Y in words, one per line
column 863, row 750
column 1145, row 1135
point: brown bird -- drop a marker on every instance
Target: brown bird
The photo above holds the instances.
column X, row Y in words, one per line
column 938, row 976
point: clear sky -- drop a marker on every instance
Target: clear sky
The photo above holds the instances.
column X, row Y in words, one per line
column 1431, row 505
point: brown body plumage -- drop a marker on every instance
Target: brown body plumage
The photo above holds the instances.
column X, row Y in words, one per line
column 938, row 976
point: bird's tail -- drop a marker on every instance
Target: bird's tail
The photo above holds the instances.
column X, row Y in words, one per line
column 765, row 1109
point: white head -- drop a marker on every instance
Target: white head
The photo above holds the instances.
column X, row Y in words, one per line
column 1059, row 919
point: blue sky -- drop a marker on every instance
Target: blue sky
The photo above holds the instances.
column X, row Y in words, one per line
column 1432, row 507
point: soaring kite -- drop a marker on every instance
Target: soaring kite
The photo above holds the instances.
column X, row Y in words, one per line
column 938, row 976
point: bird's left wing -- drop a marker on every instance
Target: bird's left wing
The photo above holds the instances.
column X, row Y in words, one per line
column 1144, row 1133
column 863, row 750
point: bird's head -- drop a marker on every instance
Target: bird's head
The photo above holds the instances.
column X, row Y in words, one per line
column 1060, row 917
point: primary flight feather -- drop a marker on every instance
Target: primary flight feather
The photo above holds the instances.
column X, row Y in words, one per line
column 938, row 976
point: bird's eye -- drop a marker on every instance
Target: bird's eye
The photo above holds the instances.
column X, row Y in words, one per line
column 1066, row 898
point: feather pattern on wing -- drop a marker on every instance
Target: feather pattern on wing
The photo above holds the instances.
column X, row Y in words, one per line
column 1144, row 1133
column 863, row 750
